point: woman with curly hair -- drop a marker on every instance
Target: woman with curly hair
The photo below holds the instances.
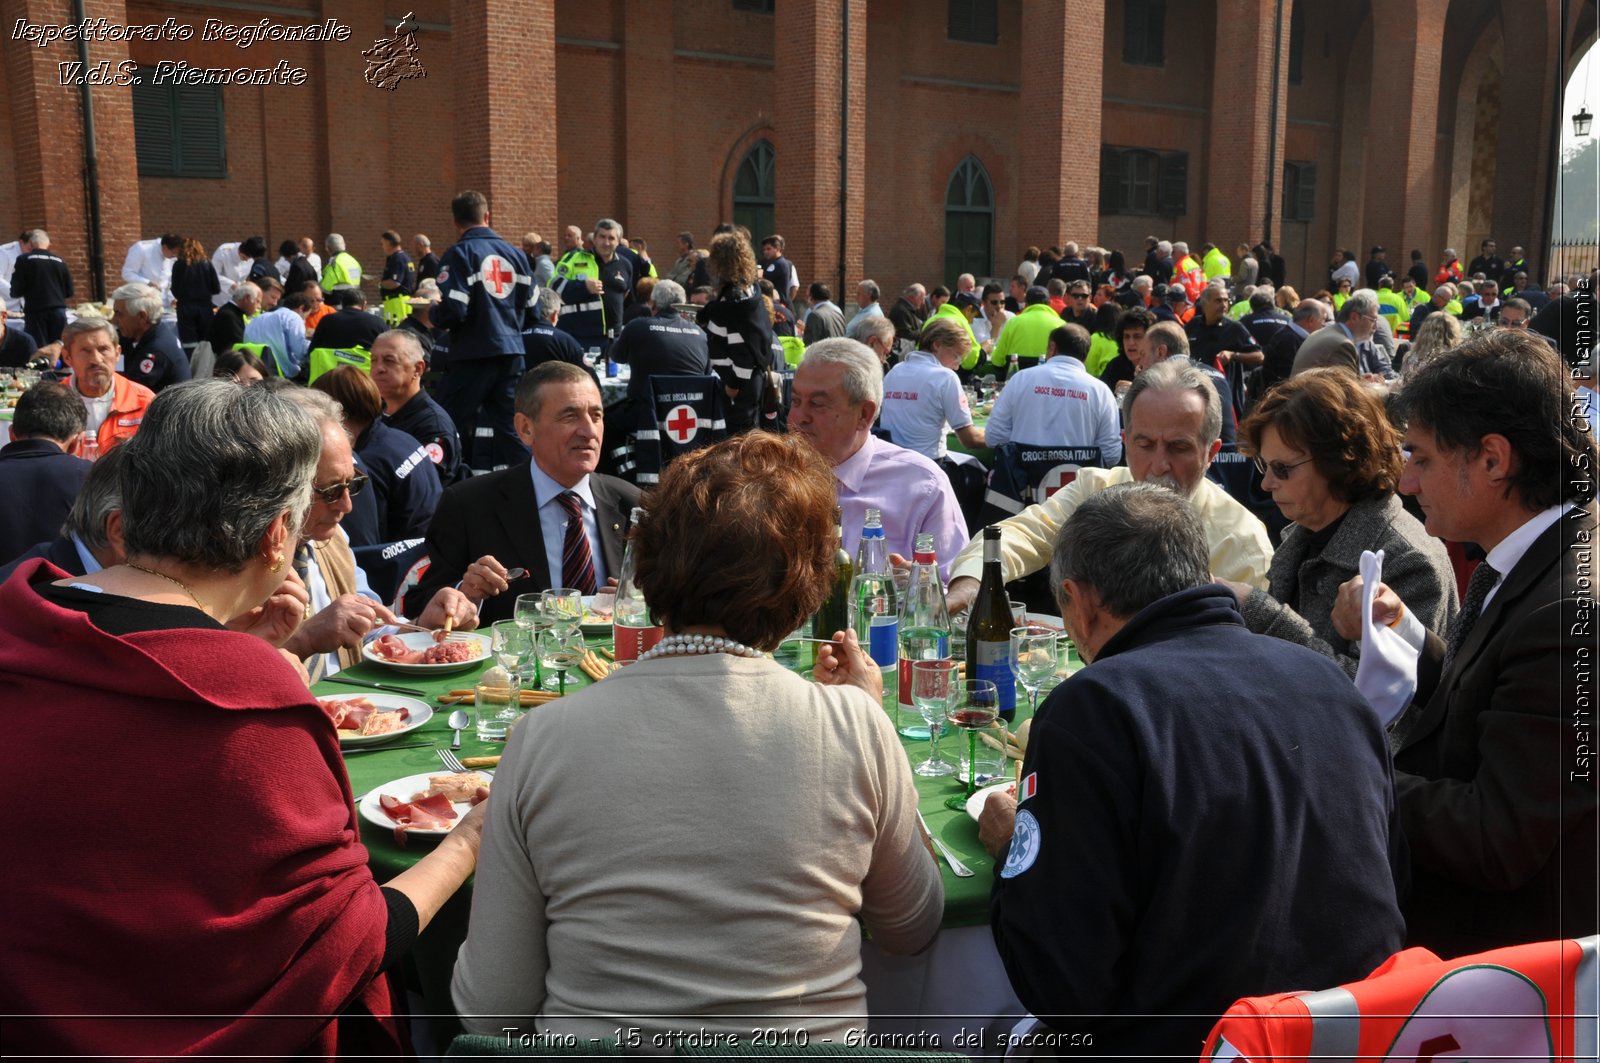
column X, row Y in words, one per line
column 739, row 332
column 1437, row 333
column 1332, row 461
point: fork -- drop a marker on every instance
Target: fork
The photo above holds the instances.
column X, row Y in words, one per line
column 449, row 636
column 451, row 761
column 961, row 870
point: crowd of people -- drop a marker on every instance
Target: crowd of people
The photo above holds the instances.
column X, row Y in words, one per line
column 1258, row 783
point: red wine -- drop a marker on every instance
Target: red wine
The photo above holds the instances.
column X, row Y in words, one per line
column 972, row 719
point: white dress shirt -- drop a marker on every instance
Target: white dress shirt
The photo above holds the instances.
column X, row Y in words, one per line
column 231, row 270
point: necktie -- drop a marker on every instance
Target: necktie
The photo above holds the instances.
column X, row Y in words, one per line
column 1483, row 580
column 577, row 563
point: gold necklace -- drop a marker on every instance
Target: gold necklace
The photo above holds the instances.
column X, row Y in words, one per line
column 170, row 579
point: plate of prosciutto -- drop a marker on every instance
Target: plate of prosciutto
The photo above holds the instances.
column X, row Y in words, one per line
column 367, row 719
column 416, row 651
column 428, row 804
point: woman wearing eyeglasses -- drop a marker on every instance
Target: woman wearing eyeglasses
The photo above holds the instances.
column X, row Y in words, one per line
column 1332, row 461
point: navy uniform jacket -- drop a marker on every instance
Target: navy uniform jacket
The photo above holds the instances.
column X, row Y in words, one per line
column 60, row 552
column 424, row 420
column 427, row 266
column 480, row 322
column 779, row 271
column 16, row 347
column 39, row 482
column 397, row 267
column 156, row 359
column 663, row 343
column 42, row 280
column 1192, row 836
column 547, row 343
column 351, row 327
column 301, row 273
column 404, row 482
column 361, row 523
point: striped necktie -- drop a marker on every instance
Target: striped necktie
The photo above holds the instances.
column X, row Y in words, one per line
column 577, row 561
column 1483, row 580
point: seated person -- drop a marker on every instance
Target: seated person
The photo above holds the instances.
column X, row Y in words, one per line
column 661, row 343
column 579, row 937
column 39, row 477
column 151, row 354
column 241, row 367
column 227, row 324
column 1165, row 761
column 555, row 518
column 91, row 536
column 542, row 340
column 17, row 348
column 923, row 400
column 405, row 484
column 1057, row 403
column 254, row 943
column 349, row 326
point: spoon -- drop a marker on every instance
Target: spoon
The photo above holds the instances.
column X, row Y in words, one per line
column 458, row 720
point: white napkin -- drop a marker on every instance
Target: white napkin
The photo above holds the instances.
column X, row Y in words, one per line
column 1387, row 674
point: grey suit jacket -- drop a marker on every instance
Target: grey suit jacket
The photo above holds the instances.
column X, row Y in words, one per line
column 1328, row 346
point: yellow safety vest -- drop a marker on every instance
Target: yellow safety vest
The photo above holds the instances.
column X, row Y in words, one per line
column 324, row 359
column 341, row 269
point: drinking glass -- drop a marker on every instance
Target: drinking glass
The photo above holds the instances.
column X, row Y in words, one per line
column 560, row 650
column 992, row 762
column 931, row 684
column 1019, row 614
column 562, row 606
column 1033, row 658
column 499, row 706
column 512, row 644
column 974, row 704
column 528, row 611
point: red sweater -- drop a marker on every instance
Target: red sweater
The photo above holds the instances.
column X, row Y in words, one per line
column 194, row 855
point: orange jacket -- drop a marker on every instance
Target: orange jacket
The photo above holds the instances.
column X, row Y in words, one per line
column 128, row 403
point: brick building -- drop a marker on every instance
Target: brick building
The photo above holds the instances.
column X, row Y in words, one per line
column 902, row 141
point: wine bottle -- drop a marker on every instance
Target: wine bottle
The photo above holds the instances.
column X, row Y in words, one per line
column 834, row 614
column 924, row 630
column 877, row 608
column 989, row 628
column 632, row 629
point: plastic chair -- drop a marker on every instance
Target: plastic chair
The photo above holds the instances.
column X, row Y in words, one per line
column 685, row 414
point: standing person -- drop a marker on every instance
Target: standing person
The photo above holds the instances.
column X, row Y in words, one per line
column 301, row 271
column 422, row 254
column 486, row 284
column 824, row 320
column 780, row 271
column 342, row 269
column 1418, row 270
column 739, row 333
column 593, row 286
column 1219, row 341
column 1377, row 266
column 150, row 262
column 9, row 253
column 194, row 283
column 43, row 281
column 399, row 279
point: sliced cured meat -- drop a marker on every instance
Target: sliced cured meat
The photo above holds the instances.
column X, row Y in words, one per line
column 390, row 648
column 449, row 653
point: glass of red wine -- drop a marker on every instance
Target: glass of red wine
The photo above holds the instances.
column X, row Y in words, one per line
column 974, row 704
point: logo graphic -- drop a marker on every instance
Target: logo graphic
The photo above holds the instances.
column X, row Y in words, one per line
column 1054, row 480
column 392, row 60
column 498, row 277
column 681, row 423
column 1024, row 846
column 435, row 453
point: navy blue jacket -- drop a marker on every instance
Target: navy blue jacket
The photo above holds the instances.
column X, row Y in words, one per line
column 662, row 343
column 424, row 420
column 156, row 359
column 1213, row 817
column 404, row 483
column 479, row 323
column 547, row 343
column 39, row 483
column 361, row 523
column 60, row 552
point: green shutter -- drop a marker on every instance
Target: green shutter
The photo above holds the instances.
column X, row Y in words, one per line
column 1173, row 193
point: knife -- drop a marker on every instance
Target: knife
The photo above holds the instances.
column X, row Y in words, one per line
column 385, row 749
column 371, row 685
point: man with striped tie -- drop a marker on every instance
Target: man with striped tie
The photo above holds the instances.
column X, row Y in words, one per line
column 1494, row 765
column 553, row 522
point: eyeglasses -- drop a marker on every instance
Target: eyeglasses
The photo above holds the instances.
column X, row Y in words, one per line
column 997, row 302
column 1080, row 295
column 333, row 492
column 1279, row 470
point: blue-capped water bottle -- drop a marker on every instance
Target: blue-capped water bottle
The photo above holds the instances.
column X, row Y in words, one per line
column 877, row 607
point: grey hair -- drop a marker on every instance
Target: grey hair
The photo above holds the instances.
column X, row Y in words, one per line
column 1175, row 375
column 1362, row 301
column 86, row 324
column 549, row 303
column 141, row 299
column 913, row 289
column 1143, row 282
column 98, row 498
column 324, row 408
column 863, row 374
column 407, row 339
column 610, row 225
column 1133, row 543
column 243, row 291
column 38, row 238
column 334, row 242
column 873, row 294
column 212, row 466
column 666, row 294
column 1179, row 247
column 1164, row 247
column 872, row 325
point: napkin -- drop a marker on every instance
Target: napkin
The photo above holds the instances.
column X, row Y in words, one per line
column 1387, row 674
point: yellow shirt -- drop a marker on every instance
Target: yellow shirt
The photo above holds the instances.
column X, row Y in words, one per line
column 1240, row 549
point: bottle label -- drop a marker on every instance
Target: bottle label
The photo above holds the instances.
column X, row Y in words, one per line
column 992, row 661
column 633, row 641
column 883, row 641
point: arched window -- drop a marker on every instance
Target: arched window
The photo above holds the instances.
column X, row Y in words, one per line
column 753, row 192
column 968, row 222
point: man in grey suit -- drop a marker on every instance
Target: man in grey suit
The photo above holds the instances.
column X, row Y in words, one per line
column 555, row 518
column 1348, row 341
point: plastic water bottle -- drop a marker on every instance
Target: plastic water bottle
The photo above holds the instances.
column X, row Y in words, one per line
column 924, row 630
column 877, row 606
column 632, row 629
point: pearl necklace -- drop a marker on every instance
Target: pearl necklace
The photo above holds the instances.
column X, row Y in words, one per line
column 688, row 645
column 170, row 579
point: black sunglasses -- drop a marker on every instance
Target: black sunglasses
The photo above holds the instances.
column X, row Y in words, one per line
column 1280, row 470
column 332, row 493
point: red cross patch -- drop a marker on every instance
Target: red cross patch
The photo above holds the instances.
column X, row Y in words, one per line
column 1055, row 480
column 681, row 423
column 498, row 277
column 435, row 453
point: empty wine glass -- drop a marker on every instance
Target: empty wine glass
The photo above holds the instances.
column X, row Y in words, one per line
column 511, row 643
column 1033, row 658
column 931, row 682
column 562, row 606
column 974, row 704
column 560, row 650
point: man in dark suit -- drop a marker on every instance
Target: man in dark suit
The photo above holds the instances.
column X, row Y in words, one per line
column 555, row 518
column 1494, row 774
column 38, row 474
column 91, row 535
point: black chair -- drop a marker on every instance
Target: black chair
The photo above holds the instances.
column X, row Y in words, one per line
column 685, row 414
column 388, row 565
column 1025, row 474
column 969, row 479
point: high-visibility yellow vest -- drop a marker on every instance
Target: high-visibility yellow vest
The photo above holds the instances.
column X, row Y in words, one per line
column 794, row 349
column 396, row 308
column 341, row 269
column 953, row 312
column 1217, row 265
column 324, row 359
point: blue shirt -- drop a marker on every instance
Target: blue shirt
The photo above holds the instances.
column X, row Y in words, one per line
column 285, row 332
column 553, row 523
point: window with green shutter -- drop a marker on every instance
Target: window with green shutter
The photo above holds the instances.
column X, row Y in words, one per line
column 968, row 222
column 178, row 129
column 974, row 21
column 754, row 192
column 1299, row 191
column 1141, row 181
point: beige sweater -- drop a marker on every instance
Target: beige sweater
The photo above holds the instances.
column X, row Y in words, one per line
column 694, row 838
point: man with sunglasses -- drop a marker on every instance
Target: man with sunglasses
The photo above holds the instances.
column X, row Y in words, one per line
column 1080, row 310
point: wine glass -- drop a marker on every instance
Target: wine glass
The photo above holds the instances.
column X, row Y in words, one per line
column 1033, row 658
column 930, row 693
column 511, row 643
column 560, row 650
column 528, row 611
column 974, row 704
column 562, row 606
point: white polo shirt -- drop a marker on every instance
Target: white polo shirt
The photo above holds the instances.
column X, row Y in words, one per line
column 1057, row 404
column 922, row 402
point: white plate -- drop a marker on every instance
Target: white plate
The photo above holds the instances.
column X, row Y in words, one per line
column 592, row 624
column 405, row 789
column 974, row 803
column 421, row 640
column 420, row 711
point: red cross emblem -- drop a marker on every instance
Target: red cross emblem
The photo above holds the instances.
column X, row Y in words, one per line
column 682, row 424
column 498, row 278
column 1055, row 480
